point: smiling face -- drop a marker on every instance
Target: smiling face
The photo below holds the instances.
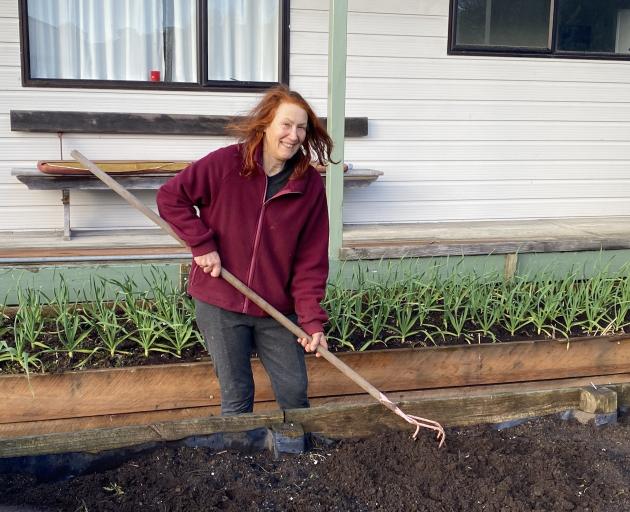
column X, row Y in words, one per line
column 284, row 136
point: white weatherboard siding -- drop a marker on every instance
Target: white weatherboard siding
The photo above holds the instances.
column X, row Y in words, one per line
column 469, row 138
column 458, row 138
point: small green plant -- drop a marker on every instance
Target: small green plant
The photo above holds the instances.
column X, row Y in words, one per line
column 427, row 296
column 148, row 331
column 174, row 313
column 72, row 327
column 178, row 328
column 24, row 359
column 547, row 306
column 406, row 318
column 189, row 306
column 375, row 315
column 105, row 320
column 518, row 300
column 28, row 324
column 162, row 291
column 597, row 308
column 342, row 323
column 487, row 307
column 456, row 300
column 573, row 305
column 621, row 306
column 6, row 353
column 110, row 329
column 72, row 330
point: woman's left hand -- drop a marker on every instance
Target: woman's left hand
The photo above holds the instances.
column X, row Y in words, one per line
column 317, row 339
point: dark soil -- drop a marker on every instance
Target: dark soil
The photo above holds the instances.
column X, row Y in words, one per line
column 544, row 465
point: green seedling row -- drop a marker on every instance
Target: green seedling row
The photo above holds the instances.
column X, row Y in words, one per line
column 153, row 317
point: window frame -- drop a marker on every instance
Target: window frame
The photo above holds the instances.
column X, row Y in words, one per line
column 202, row 84
column 507, row 51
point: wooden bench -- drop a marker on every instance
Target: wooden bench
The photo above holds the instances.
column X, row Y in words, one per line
column 36, row 180
column 62, row 122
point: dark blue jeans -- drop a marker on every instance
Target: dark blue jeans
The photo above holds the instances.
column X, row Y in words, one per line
column 232, row 337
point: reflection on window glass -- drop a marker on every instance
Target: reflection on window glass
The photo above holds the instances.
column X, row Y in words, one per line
column 243, row 40
column 113, row 39
column 597, row 27
column 511, row 23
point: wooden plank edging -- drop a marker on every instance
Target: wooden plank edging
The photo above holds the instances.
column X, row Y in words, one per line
column 337, row 421
column 120, row 437
column 621, row 382
column 189, row 385
column 352, row 420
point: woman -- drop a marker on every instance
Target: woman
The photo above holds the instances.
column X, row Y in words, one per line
column 262, row 214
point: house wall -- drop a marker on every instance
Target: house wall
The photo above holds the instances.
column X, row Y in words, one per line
column 458, row 138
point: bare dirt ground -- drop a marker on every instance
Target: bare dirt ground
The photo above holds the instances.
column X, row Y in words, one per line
column 544, row 465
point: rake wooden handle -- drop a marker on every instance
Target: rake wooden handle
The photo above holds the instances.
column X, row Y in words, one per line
column 230, row 278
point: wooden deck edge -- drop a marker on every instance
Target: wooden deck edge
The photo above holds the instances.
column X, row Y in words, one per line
column 157, row 249
column 333, row 420
column 356, row 250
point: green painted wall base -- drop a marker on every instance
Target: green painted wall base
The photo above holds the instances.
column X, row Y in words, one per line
column 559, row 265
column 77, row 277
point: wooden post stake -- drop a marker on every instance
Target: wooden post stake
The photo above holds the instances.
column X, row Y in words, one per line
column 509, row 270
column 597, row 405
column 600, row 400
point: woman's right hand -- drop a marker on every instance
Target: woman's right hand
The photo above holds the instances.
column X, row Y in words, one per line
column 210, row 263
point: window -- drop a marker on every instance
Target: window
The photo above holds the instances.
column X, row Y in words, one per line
column 191, row 44
column 503, row 23
column 564, row 28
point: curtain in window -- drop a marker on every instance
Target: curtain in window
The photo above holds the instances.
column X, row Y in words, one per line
column 243, row 40
column 113, row 39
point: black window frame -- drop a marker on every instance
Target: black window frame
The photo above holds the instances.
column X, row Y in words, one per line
column 507, row 51
column 202, row 62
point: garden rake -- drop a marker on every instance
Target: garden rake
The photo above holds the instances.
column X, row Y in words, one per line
column 416, row 421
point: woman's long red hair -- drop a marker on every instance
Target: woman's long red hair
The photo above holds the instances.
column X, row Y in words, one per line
column 250, row 131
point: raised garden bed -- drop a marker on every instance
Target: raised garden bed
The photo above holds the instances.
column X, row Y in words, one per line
column 597, row 397
column 94, row 398
column 414, row 313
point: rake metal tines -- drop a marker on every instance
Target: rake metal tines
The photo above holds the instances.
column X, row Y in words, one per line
column 416, row 421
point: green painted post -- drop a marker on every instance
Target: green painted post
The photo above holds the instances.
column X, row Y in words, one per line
column 338, row 21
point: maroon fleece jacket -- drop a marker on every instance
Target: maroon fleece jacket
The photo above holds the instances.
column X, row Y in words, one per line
column 278, row 247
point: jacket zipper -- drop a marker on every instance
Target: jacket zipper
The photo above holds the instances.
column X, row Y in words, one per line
column 250, row 273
